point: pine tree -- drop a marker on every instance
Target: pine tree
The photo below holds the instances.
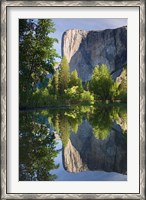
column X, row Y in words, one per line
column 75, row 80
column 64, row 76
column 55, row 83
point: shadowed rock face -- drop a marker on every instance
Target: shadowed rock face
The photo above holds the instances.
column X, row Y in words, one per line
column 85, row 49
column 85, row 152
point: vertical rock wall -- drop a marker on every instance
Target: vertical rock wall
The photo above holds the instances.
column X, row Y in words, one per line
column 85, row 49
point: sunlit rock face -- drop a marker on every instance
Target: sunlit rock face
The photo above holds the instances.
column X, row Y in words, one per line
column 72, row 159
column 85, row 152
column 85, row 49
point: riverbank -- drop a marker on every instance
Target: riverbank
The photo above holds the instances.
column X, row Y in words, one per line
column 63, row 106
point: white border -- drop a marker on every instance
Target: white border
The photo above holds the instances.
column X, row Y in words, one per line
column 130, row 186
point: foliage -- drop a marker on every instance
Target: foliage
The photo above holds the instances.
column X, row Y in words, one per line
column 119, row 87
column 101, row 121
column 64, row 76
column 55, row 83
column 102, row 118
column 75, row 118
column 72, row 94
column 101, row 82
column 75, row 81
column 36, row 149
column 43, row 97
column 37, row 60
column 115, row 91
column 75, row 91
column 36, row 55
column 86, row 97
column 64, row 130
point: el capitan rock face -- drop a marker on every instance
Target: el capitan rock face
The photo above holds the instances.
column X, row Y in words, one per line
column 85, row 49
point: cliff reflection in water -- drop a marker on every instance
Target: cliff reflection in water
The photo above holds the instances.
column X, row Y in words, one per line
column 93, row 139
column 85, row 152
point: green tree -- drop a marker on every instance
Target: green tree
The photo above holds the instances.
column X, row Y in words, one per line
column 55, row 83
column 115, row 92
column 64, row 75
column 75, row 80
column 87, row 97
column 101, row 82
column 72, row 93
column 36, row 55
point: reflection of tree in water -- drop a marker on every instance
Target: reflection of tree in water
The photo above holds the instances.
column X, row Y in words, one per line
column 64, row 121
column 90, row 148
column 102, row 119
column 36, row 149
column 38, row 131
column 101, row 122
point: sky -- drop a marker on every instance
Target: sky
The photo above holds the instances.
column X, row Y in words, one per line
column 63, row 24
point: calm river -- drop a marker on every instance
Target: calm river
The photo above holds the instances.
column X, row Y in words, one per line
column 80, row 143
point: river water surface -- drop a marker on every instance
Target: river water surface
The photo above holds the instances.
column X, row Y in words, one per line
column 80, row 143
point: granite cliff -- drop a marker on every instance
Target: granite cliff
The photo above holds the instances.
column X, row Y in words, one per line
column 85, row 49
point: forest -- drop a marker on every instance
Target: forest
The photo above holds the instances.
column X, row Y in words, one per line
column 42, row 85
